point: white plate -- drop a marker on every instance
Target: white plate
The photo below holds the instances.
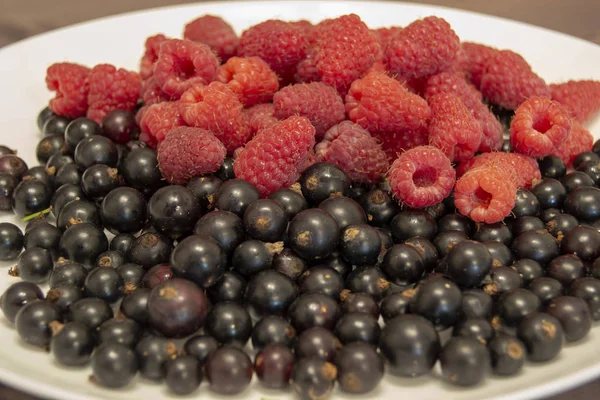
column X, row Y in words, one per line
column 119, row 40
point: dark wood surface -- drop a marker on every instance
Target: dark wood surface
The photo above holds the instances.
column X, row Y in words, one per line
column 23, row 18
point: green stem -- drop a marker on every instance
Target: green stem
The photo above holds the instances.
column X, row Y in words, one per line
column 35, row 215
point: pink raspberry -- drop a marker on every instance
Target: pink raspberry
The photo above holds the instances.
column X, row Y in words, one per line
column 111, row 89
column 423, row 48
column 306, row 27
column 216, row 108
column 182, row 64
column 579, row 140
column 215, row 33
column 523, row 171
column 159, row 119
column 492, row 138
column 474, row 60
column 453, row 129
column 319, row 102
column 251, row 79
column 70, row 82
column 421, row 177
column 152, row 93
column 395, row 143
column 485, row 195
column 260, row 116
column 150, row 55
column 580, row 98
column 306, row 70
column 353, row 149
column 508, row 80
column 539, row 127
column 386, row 35
column 187, row 152
column 273, row 159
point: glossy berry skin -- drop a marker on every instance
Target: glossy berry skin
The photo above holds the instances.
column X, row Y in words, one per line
column 370, row 280
column 95, row 149
column 552, row 167
column 177, row 308
column 313, row 378
column 498, row 232
column 119, row 125
column 57, row 161
column 35, row 265
column 204, row 187
column 92, row 312
column 561, row 224
column 550, row 193
column 79, row 129
column 200, row 347
column 321, row 279
column 445, row 241
column 122, row 242
column 82, row 243
column 273, row 366
column 290, row 201
column 322, row 180
column 403, row 264
column 33, row 322
column 98, row 180
column 120, row 330
column 11, row 241
column 30, row 196
column 44, row 115
column 63, row 195
column 174, row 210
column 379, row 207
column 223, row 226
column 183, row 375
column 502, row 279
column 231, row 287
column 360, row 244
column 8, row 183
column 337, row 263
column 114, row 365
column 501, row 254
column 476, row 303
column 526, row 223
column 566, row 269
column 464, row 361
column 573, row 315
column 72, row 344
column 539, row 246
column 344, row 210
column 156, row 275
column 229, row 323
column 200, row 259
column 515, row 304
column 582, row 241
column 359, row 368
column 55, row 125
column 265, row 220
column 476, row 328
column 359, row 302
column 65, row 295
column 78, row 212
column 123, row 210
column 529, row 270
column 41, row 174
column 229, row 370
column 104, row 283
column 546, row 288
column 317, row 342
column 140, row 170
column 468, row 263
column 235, row 195
column 18, row 295
column 14, row 165
column 253, row 256
column 68, row 173
column 354, row 327
column 439, row 301
column 526, row 204
column 455, row 222
column 45, row 236
column 313, row 234
column 152, row 353
column 542, row 335
column 225, row 171
column 272, row 330
column 588, row 289
column 394, row 304
column 132, row 275
column 584, row 204
column 314, row 309
column 412, row 223
column 270, row 293
column 134, row 305
column 576, row 179
column 150, row 249
column 507, row 355
column 111, row 259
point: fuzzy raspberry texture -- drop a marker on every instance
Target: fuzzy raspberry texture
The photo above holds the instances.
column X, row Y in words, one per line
column 214, row 32
column 306, row 71
column 423, row 48
column 187, row 152
column 182, row 64
column 280, row 44
column 450, row 83
column 344, row 50
column 453, row 129
column 251, row 79
column 386, row 35
column 353, row 149
column 111, row 89
column 421, row 177
column 485, row 195
column 152, row 46
column 579, row 140
column 475, row 57
column 395, row 143
column 318, row 102
column 152, row 93
column 275, row 157
column 260, row 116
column 70, row 82
column 580, row 98
column 539, row 127
column 508, row 80
column 159, row 119
column 306, row 27
column 520, row 169
column 216, row 108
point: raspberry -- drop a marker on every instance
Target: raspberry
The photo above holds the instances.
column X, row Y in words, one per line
column 306, row 27
column 274, row 158
column 159, row 119
column 260, row 116
column 539, row 127
column 215, row 33
column 421, row 177
column 580, row 98
column 484, row 194
column 319, row 102
column 423, row 48
column 182, row 64
column 474, row 60
column 251, row 79
column 112, row 89
column 453, row 129
column 386, row 35
column 579, row 140
column 307, row 70
column 508, row 80
column 382, row 105
column 345, row 48
column 70, row 82
column 492, row 137
column 152, row 93
column 395, row 143
column 280, row 44
column 352, row 148
column 187, row 152
column 523, row 171
column 150, row 55
column 216, row 108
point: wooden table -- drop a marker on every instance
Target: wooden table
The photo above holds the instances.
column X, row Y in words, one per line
column 20, row 19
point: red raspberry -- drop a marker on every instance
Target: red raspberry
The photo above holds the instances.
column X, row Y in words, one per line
column 421, row 177
column 215, row 33
column 307, row 70
column 70, row 82
column 395, row 143
column 423, row 48
column 474, row 60
column 580, row 98
column 485, row 195
column 492, row 138
column 260, row 116
column 319, row 102
column 274, row 158
column 508, row 80
column 352, row 148
column 523, row 171
column 251, row 79
column 579, row 140
column 182, row 64
column 280, row 44
column 306, row 27
column 112, row 89
column 150, row 55
column 539, row 127
column 382, row 105
column 159, row 119
column 386, row 35
column 152, row 93
column 345, row 48
column 453, row 129
column 187, row 152
column 216, row 108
